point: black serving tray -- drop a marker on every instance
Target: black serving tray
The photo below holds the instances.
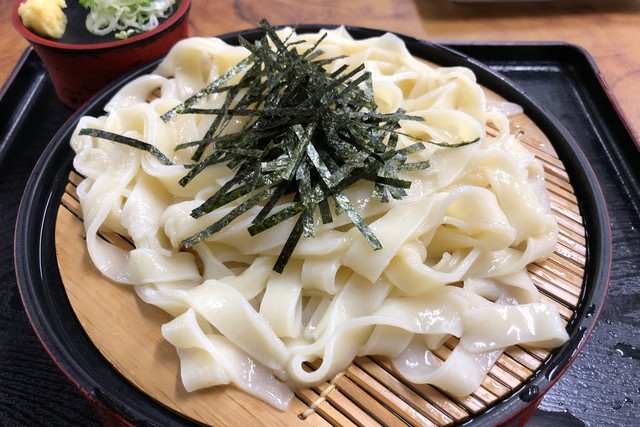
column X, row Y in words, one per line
column 600, row 388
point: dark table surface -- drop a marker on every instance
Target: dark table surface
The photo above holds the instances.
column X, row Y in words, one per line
column 601, row 388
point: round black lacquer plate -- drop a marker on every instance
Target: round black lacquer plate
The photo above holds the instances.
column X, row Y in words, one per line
column 54, row 321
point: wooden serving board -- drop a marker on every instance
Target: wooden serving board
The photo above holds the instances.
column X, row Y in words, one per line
column 127, row 332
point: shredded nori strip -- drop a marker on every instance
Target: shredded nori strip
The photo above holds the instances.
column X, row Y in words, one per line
column 131, row 142
column 309, row 134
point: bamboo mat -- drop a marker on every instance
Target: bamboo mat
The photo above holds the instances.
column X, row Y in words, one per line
column 127, row 332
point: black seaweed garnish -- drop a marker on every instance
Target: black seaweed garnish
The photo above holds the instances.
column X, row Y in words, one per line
column 308, row 135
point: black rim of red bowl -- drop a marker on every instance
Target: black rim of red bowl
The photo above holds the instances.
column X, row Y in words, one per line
column 77, row 37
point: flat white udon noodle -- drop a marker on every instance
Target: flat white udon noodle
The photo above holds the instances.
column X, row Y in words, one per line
column 478, row 216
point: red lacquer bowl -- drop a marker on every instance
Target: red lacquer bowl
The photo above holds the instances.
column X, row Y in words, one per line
column 80, row 63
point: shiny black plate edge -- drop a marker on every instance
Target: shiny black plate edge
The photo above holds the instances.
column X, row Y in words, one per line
column 36, row 217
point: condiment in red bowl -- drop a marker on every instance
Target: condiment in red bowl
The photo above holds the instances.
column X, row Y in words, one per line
column 80, row 63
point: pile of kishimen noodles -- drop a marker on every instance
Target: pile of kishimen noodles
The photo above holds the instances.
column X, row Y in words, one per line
column 404, row 257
